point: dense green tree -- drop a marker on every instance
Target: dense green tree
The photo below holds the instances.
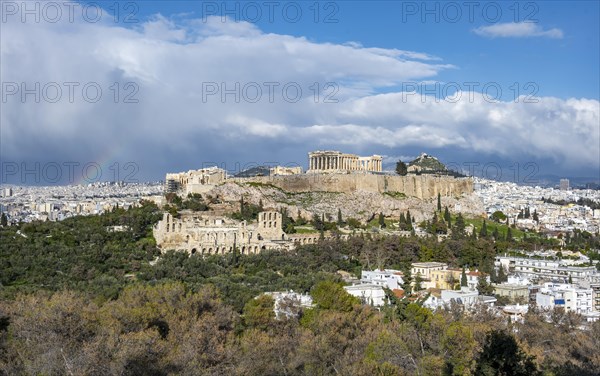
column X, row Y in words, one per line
column 258, row 312
column 501, row 355
column 401, row 168
column 439, row 202
column 331, row 295
column 3, row 220
column 317, row 222
column 498, row 216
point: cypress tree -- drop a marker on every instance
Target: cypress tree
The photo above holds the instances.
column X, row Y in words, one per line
column 381, row 220
column 509, row 235
column 447, row 216
column 439, row 202
column 483, row 232
column 496, row 235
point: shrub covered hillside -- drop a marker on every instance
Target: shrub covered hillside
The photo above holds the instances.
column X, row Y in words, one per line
column 80, row 297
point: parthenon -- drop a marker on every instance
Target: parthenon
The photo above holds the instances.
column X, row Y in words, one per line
column 336, row 161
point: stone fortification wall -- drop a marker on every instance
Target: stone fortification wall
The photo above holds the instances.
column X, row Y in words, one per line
column 420, row 186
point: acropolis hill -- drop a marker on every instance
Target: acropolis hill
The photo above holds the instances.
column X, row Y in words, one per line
column 335, row 184
column 331, row 171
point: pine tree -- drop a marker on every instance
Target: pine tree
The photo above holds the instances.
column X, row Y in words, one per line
column 483, row 287
column 418, row 281
column 493, row 276
column 501, row 275
column 439, row 203
column 402, row 222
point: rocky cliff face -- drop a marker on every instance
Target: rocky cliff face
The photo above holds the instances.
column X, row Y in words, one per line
column 419, row 186
column 357, row 204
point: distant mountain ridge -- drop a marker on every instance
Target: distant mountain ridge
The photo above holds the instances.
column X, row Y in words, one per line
column 254, row 171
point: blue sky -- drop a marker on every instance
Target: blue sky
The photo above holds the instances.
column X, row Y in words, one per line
column 373, row 55
column 563, row 67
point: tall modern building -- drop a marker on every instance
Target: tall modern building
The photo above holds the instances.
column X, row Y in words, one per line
column 564, row 184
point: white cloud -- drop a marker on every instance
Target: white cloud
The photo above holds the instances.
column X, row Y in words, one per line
column 173, row 122
column 517, row 30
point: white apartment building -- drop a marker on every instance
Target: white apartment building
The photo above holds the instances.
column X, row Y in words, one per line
column 547, row 269
column 392, row 279
column 368, row 294
column 466, row 297
column 571, row 298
